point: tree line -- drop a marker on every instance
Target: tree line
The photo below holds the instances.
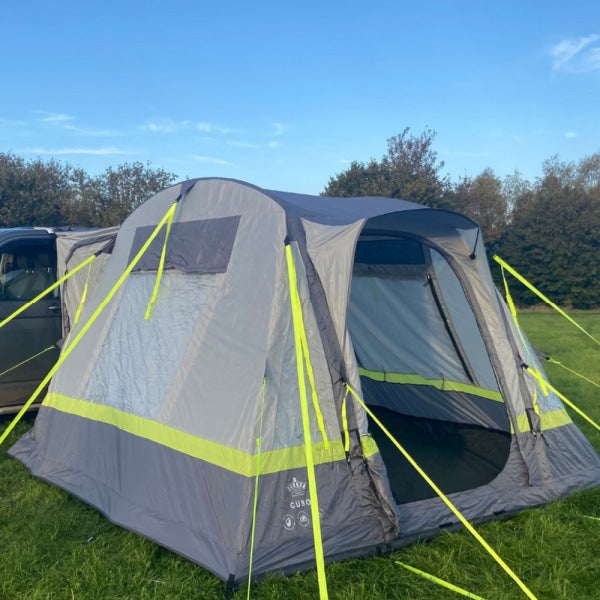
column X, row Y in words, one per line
column 548, row 229
column 50, row 193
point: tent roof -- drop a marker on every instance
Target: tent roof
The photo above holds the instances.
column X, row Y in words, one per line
column 343, row 211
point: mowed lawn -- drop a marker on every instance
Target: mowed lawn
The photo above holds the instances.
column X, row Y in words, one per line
column 54, row 546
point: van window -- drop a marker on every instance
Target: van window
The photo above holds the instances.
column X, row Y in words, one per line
column 26, row 269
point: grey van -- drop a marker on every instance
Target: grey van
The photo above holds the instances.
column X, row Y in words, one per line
column 27, row 267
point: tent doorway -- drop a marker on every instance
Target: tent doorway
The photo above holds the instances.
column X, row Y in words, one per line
column 424, row 368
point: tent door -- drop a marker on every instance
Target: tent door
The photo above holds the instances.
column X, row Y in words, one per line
column 424, row 368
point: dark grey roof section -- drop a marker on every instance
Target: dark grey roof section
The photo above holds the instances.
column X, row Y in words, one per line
column 330, row 210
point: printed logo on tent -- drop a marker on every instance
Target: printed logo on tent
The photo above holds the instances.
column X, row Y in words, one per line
column 297, row 489
column 297, row 500
column 303, row 519
column 289, row 522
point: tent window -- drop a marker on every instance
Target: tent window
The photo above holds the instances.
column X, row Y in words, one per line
column 424, row 368
column 386, row 251
column 203, row 246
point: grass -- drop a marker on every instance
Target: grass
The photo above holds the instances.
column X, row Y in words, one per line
column 54, row 546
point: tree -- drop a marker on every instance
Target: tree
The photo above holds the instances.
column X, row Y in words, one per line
column 32, row 193
column 483, row 200
column 410, row 170
column 110, row 197
column 554, row 235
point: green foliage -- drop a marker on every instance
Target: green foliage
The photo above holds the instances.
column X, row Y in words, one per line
column 554, row 235
column 31, row 193
column 483, row 200
column 52, row 194
column 410, row 170
column 54, row 546
column 548, row 230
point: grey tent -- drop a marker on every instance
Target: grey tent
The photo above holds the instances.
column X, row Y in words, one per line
column 72, row 248
column 155, row 421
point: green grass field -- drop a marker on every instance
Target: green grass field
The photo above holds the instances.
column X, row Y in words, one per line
column 54, row 546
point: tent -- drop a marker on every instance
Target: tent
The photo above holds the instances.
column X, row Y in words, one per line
column 213, row 403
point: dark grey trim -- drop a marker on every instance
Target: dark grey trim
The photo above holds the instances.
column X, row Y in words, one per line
column 331, row 347
column 202, row 246
column 109, row 238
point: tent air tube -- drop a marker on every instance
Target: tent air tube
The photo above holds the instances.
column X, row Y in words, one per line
column 310, row 466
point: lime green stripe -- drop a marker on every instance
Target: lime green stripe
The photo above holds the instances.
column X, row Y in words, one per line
column 441, row 384
column 441, row 582
column 550, row 420
column 299, row 332
column 544, row 298
column 223, row 456
column 368, row 446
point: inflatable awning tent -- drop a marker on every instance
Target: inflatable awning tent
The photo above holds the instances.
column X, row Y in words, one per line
column 250, row 316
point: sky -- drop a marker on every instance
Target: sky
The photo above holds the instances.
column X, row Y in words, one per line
column 285, row 95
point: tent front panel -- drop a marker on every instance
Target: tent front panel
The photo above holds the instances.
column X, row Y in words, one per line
column 198, row 509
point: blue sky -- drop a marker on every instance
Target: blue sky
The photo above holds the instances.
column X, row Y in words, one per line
column 285, row 95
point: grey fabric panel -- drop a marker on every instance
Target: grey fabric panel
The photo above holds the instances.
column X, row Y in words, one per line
column 330, row 249
column 205, row 512
column 197, row 509
column 202, row 246
column 138, row 363
column 547, row 402
column 330, row 409
column 464, row 322
column 214, row 391
column 343, row 211
column 430, row 403
column 72, row 249
column 396, row 328
column 217, row 389
column 169, row 497
column 67, row 242
column 329, row 210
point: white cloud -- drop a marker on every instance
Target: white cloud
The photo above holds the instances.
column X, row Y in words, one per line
column 107, row 151
column 207, row 127
column 274, row 144
column 167, row 125
column 12, row 122
column 210, row 128
column 576, row 55
column 240, row 144
column 164, row 126
column 93, row 132
column 570, row 134
column 278, row 129
column 212, row 160
column 51, row 117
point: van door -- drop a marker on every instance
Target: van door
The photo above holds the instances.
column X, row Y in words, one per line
column 27, row 267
